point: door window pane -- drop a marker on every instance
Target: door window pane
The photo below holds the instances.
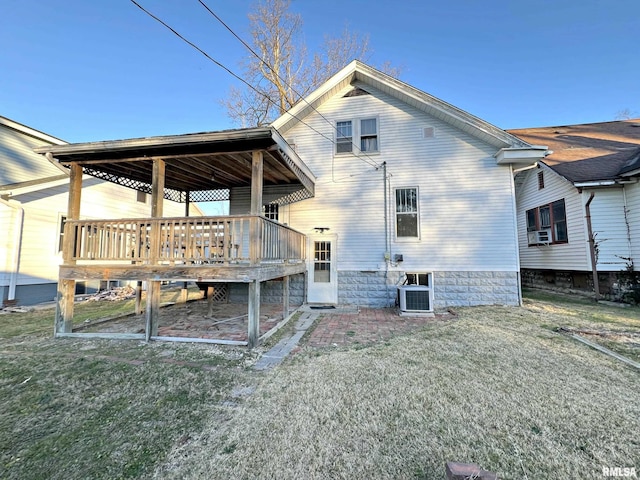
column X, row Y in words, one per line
column 322, row 262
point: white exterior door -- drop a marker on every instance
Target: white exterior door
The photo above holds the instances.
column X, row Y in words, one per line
column 322, row 284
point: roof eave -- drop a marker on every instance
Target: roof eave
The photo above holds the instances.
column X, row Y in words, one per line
column 59, row 151
column 520, row 156
column 404, row 92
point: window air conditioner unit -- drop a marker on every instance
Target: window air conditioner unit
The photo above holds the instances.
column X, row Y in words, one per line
column 544, row 236
column 539, row 236
column 414, row 298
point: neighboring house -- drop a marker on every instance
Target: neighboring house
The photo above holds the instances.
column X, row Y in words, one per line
column 409, row 189
column 600, row 160
column 33, row 206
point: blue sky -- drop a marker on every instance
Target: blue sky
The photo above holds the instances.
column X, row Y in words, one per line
column 102, row 69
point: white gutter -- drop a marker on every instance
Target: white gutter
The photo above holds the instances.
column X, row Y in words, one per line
column 600, row 183
column 522, row 169
column 15, row 263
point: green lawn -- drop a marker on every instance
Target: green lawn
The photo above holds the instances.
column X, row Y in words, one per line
column 85, row 409
column 494, row 385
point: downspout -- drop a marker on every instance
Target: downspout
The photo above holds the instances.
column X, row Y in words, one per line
column 515, row 220
column 592, row 247
column 387, row 252
column 15, row 264
column 626, row 221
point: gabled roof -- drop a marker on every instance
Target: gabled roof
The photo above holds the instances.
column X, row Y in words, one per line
column 589, row 152
column 362, row 75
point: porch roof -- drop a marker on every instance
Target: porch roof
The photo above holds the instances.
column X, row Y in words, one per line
column 200, row 167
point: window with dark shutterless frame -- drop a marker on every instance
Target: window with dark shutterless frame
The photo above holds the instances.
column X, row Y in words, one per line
column 551, row 216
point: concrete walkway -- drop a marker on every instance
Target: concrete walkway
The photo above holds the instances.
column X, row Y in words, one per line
column 280, row 350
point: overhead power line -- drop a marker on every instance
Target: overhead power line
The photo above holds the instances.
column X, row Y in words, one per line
column 209, row 57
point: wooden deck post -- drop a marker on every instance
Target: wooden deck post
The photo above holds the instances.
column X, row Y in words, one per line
column 255, row 229
column 184, row 293
column 67, row 287
column 138, row 307
column 157, row 188
column 285, row 297
column 153, row 286
column 210, row 293
column 254, row 313
column 153, row 309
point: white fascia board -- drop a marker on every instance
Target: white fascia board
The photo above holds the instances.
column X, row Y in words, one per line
column 286, row 148
column 12, row 191
column 520, row 155
column 312, row 101
column 167, row 140
column 631, row 173
column 7, row 122
column 596, row 183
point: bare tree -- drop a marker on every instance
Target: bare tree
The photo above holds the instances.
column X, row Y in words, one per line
column 624, row 114
column 285, row 72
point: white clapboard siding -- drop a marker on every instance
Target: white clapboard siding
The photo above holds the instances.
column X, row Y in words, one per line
column 40, row 255
column 466, row 203
column 7, row 221
column 18, row 161
column 46, row 203
column 609, row 227
column 573, row 255
column 632, row 193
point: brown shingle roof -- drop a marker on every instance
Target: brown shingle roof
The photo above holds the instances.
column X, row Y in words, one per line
column 591, row 151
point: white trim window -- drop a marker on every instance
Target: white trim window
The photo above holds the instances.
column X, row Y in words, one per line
column 344, row 138
column 61, row 221
column 362, row 133
column 369, row 135
column 407, row 213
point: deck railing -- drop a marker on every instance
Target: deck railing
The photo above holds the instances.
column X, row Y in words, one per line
column 186, row 240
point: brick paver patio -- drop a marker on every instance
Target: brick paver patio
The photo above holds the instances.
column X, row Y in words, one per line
column 368, row 326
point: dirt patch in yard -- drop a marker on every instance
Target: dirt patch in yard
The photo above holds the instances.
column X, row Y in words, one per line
column 228, row 321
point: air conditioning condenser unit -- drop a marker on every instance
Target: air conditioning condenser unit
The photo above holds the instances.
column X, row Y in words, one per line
column 415, row 299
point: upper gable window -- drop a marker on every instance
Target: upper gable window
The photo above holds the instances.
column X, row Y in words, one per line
column 540, row 180
column 362, row 133
column 369, row 135
column 344, row 140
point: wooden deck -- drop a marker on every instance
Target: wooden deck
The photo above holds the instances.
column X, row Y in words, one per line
column 247, row 249
column 218, row 249
column 183, row 168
